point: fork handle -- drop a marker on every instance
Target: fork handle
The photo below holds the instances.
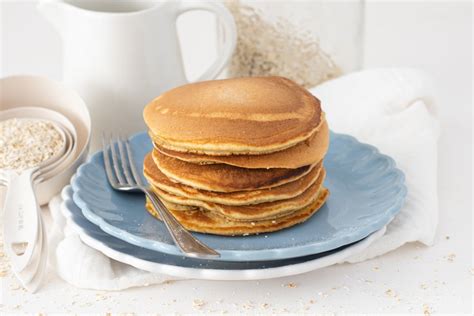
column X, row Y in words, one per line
column 183, row 238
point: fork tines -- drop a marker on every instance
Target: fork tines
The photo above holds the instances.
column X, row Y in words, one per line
column 119, row 163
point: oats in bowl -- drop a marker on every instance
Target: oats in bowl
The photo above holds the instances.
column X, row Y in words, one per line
column 26, row 143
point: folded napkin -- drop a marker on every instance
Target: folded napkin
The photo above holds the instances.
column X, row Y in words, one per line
column 391, row 109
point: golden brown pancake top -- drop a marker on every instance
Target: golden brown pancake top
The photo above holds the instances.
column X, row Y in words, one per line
column 243, row 115
column 225, row 178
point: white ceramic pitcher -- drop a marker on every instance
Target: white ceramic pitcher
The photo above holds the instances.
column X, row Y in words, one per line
column 119, row 54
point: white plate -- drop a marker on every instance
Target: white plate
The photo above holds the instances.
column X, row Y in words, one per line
column 182, row 267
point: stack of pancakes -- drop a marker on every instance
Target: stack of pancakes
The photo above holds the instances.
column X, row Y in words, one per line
column 237, row 156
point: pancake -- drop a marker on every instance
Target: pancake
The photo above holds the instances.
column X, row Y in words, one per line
column 255, row 212
column 286, row 191
column 251, row 116
column 208, row 222
column 225, row 178
column 304, row 153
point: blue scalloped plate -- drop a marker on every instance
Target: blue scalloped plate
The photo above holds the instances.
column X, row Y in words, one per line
column 367, row 191
column 193, row 268
column 103, row 242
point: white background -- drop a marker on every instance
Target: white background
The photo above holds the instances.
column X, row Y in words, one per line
column 434, row 36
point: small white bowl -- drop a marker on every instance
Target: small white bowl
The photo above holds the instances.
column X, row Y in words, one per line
column 62, row 124
column 28, row 91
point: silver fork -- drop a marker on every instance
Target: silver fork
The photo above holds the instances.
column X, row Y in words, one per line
column 123, row 176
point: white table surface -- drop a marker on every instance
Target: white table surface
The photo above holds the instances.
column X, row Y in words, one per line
column 435, row 36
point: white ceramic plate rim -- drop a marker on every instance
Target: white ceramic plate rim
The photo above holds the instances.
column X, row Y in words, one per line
column 219, row 274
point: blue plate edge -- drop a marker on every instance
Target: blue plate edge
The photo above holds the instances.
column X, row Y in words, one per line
column 254, row 255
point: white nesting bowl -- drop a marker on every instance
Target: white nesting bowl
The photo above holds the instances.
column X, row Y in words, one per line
column 27, row 91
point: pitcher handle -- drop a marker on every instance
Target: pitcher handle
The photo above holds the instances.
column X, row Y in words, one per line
column 229, row 32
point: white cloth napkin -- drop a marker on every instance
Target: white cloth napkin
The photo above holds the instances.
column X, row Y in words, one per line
column 390, row 108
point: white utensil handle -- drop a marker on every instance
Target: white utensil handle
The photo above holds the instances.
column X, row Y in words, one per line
column 229, row 32
column 20, row 218
column 29, row 273
column 37, row 280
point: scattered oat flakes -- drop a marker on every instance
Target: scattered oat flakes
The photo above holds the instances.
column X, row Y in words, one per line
column 101, row 297
column 450, row 257
column 375, row 268
column 197, row 303
column 291, row 285
column 248, row 305
column 423, row 286
column 15, row 287
column 389, row 292
column 427, row 310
